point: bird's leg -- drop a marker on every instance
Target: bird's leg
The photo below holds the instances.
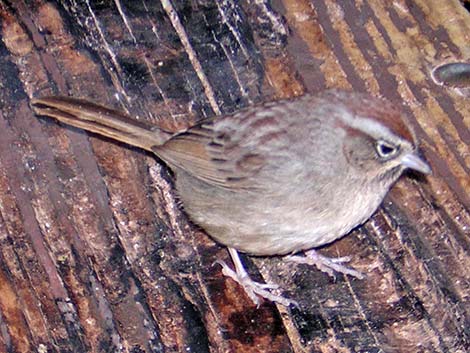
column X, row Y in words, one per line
column 325, row 264
column 253, row 289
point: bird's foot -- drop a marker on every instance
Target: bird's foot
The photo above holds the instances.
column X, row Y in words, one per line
column 326, row 264
column 253, row 289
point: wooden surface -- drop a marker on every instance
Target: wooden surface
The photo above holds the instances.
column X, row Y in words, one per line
column 97, row 256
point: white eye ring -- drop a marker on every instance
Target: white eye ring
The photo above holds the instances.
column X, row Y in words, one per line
column 385, row 149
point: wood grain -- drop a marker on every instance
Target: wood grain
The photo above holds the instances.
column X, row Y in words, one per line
column 96, row 253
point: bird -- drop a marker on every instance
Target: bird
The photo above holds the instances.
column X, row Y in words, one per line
column 273, row 179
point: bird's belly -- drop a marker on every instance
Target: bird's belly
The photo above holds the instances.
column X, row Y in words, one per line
column 274, row 232
column 261, row 227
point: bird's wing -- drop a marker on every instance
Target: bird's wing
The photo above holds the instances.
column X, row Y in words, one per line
column 212, row 155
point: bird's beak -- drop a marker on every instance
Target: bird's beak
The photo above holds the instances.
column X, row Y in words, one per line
column 412, row 161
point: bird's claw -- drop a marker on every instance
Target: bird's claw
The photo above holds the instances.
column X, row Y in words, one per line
column 326, row 264
column 253, row 289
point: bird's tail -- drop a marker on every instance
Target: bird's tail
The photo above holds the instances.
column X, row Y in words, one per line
column 102, row 121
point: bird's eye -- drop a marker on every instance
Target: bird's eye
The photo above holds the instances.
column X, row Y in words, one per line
column 385, row 149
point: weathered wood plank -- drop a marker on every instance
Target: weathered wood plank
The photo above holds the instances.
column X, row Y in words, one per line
column 97, row 256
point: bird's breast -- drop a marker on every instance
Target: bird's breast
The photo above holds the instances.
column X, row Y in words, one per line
column 277, row 220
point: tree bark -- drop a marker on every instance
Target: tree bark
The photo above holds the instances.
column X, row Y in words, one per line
column 96, row 253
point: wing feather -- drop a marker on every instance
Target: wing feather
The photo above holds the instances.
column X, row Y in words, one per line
column 211, row 155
